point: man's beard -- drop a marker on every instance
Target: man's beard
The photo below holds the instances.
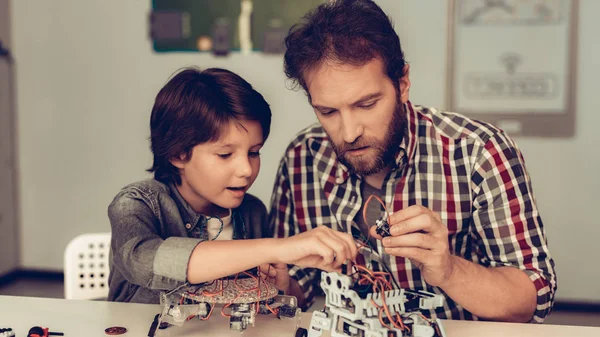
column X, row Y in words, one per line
column 386, row 150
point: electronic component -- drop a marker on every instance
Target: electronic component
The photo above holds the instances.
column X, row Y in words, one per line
column 382, row 228
column 287, row 311
column 381, row 313
column 241, row 298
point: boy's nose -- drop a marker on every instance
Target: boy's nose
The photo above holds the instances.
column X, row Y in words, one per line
column 244, row 169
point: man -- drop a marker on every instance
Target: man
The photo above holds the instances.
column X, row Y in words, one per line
column 464, row 221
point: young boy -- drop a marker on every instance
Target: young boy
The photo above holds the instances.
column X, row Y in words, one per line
column 207, row 128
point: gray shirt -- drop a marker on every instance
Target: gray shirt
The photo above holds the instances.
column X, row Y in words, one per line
column 154, row 231
column 374, row 211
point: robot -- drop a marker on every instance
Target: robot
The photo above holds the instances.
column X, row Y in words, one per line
column 243, row 298
column 353, row 310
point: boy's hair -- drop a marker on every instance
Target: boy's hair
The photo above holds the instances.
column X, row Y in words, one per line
column 192, row 108
column 343, row 31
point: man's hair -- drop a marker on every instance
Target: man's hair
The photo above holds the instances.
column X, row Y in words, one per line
column 343, row 31
column 192, row 108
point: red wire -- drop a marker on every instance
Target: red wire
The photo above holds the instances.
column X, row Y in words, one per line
column 366, row 206
column 257, row 305
column 212, row 307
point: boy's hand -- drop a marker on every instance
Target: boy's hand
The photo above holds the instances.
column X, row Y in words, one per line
column 277, row 274
column 322, row 248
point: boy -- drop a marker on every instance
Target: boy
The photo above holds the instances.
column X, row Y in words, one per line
column 207, row 128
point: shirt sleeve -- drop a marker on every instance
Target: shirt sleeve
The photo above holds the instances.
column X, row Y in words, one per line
column 283, row 223
column 139, row 252
column 506, row 222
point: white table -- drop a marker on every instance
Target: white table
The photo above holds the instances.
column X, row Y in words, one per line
column 89, row 318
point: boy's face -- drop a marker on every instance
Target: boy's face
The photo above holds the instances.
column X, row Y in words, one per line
column 219, row 173
column 361, row 111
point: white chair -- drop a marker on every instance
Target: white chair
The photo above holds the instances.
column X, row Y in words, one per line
column 86, row 267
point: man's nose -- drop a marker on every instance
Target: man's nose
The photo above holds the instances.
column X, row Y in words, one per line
column 351, row 127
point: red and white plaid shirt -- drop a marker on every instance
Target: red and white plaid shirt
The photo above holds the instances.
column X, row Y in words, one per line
column 469, row 172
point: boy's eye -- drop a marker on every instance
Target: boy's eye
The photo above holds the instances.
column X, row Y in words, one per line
column 254, row 154
column 328, row 112
column 224, row 155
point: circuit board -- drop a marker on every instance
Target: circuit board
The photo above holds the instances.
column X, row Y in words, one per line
column 244, row 290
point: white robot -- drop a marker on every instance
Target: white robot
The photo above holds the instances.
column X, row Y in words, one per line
column 351, row 312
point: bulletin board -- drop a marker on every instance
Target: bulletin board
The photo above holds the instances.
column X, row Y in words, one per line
column 513, row 63
column 220, row 26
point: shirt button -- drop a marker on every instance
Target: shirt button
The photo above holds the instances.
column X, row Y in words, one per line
column 188, row 226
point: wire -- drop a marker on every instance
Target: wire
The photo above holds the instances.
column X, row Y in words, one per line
column 212, row 307
column 257, row 305
column 220, row 228
column 273, row 311
column 366, row 206
column 380, row 284
column 366, row 241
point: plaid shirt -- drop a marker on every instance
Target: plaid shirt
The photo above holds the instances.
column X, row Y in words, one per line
column 469, row 172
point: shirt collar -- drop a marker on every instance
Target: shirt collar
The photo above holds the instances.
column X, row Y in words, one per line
column 406, row 150
column 188, row 215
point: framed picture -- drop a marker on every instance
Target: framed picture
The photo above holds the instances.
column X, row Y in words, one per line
column 513, row 63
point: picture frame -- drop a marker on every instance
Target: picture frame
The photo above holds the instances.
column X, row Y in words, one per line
column 512, row 63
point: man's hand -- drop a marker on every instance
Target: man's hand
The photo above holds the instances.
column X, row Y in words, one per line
column 277, row 274
column 418, row 234
column 322, row 248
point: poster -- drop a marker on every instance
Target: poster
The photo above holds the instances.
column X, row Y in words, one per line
column 512, row 63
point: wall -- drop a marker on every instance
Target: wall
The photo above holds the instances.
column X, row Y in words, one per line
column 87, row 78
column 8, row 212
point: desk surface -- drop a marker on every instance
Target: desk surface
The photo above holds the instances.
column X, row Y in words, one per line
column 89, row 318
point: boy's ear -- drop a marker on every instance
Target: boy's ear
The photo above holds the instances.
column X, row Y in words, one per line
column 180, row 161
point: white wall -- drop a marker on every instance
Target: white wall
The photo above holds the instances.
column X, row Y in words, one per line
column 87, row 79
column 8, row 221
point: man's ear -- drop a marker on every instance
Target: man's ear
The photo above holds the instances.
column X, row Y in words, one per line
column 404, row 84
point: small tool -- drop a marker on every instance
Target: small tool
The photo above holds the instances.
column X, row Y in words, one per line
column 7, row 332
column 38, row 331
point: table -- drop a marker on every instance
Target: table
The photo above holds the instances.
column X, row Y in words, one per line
column 78, row 318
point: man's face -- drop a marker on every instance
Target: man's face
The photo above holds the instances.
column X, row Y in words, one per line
column 361, row 110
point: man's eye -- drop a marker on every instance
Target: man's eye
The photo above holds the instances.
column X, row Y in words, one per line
column 254, row 154
column 367, row 106
column 224, row 155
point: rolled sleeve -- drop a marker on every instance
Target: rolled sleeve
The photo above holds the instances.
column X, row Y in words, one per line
column 545, row 296
column 138, row 251
column 171, row 261
column 507, row 226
